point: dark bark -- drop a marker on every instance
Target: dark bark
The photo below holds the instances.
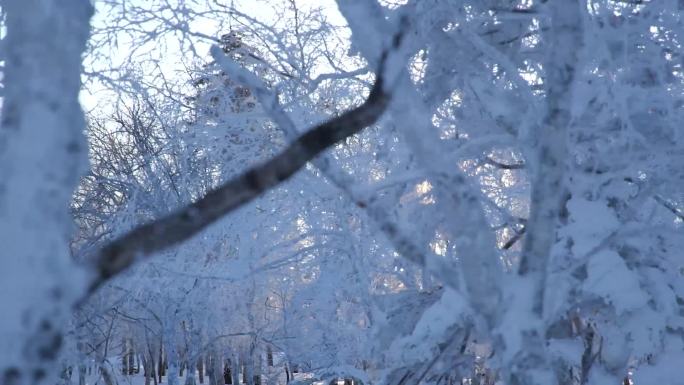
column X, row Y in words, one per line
column 227, row 375
column 149, row 368
column 130, row 364
column 124, row 358
column 269, row 355
column 160, row 365
column 146, row 370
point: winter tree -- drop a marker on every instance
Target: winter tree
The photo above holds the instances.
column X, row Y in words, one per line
column 390, row 192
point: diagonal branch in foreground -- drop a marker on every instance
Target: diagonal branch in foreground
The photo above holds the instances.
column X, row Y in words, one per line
column 188, row 221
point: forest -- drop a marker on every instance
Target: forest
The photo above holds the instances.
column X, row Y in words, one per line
column 341, row 192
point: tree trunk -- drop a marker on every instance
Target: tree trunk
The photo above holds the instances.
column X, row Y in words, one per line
column 43, row 154
column 65, row 375
column 269, row 355
column 208, row 369
column 257, row 368
column 106, row 377
column 150, row 370
column 216, row 369
column 249, row 372
column 131, row 362
column 235, row 370
column 227, row 375
column 160, row 364
column 146, row 370
column 171, row 355
column 200, row 369
column 124, row 357
column 81, row 375
column 190, row 377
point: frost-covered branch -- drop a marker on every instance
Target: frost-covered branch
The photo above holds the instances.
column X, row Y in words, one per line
column 326, row 164
column 672, row 208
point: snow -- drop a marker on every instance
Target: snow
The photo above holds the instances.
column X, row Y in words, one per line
column 609, row 278
column 514, row 215
column 591, row 222
column 433, row 328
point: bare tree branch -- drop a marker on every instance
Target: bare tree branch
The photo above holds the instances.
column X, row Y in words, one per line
column 504, row 166
column 188, row 221
column 514, row 239
column 672, row 208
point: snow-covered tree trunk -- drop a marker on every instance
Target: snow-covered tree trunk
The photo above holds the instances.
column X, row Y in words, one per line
column 42, row 153
column 235, row 370
column 190, row 376
column 172, row 354
column 215, row 368
column 548, row 155
column 81, row 374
